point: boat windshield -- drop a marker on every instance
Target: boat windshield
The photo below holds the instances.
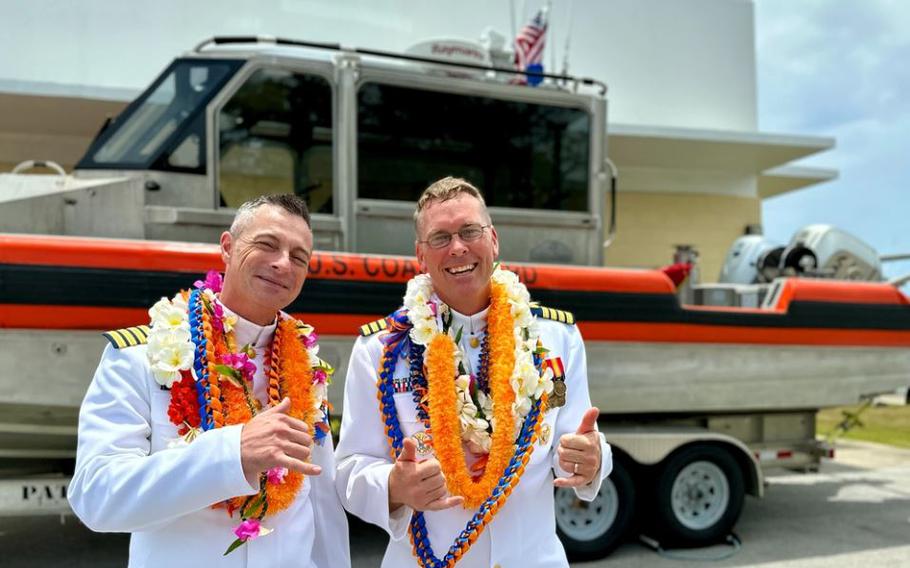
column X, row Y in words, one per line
column 165, row 127
column 525, row 155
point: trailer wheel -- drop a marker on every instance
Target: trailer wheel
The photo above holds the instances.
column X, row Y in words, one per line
column 699, row 496
column 590, row 531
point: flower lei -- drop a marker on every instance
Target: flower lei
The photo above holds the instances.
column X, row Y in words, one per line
column 518, row 390
column 192, row 352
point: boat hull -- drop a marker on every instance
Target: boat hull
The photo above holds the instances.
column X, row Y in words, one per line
column 627, row 380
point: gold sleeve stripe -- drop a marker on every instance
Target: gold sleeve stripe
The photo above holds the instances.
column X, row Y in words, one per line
column 136, row 335
column 127, row 337
column 373, row 327
column 556, row 315
column 117, row 340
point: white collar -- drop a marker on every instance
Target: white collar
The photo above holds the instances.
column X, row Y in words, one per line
column 249, row 333
column 471, row 325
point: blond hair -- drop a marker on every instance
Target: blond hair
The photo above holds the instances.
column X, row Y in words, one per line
column 443, row 190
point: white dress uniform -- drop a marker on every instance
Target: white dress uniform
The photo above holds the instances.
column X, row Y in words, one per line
column 133, row 475
column 523, row 533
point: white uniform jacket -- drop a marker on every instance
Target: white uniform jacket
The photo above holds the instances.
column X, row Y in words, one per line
column 131, row 477
column 523, row 533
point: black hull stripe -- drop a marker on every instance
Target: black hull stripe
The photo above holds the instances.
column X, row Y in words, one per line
column 52, row 285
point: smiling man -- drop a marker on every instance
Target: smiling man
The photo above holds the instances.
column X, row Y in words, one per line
column 204, row 434
column 477, row 391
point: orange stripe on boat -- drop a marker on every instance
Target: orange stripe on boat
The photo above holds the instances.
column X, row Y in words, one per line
column 122, row 254
column 839, row 291
column 700, row 333
column 108, row 253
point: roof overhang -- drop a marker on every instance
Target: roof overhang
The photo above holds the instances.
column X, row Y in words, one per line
column 761, row 154
column 789, row 178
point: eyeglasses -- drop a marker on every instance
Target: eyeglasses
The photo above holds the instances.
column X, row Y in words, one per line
column 467, row 234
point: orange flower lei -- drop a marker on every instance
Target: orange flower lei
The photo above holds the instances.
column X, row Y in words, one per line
column 446, row 428
column 514, row 377
column 290, row 373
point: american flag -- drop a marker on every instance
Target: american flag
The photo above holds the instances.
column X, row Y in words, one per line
column 529, row 45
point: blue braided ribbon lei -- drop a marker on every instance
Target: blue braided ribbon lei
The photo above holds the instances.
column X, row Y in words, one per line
column 199, row 360
column 417, row 525
column 387, row 398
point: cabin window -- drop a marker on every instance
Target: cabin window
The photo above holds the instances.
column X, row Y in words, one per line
column 275, row 136
column 519, row 154
column 164, row 129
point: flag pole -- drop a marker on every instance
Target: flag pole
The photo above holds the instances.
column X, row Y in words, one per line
column 552, row 35
column 512, row 18
column 565, row 51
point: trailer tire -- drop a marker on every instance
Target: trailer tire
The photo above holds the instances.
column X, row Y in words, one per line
column 699, row 496
column 590, row 531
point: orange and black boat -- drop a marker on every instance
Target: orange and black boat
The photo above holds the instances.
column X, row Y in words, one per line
column 815, row 343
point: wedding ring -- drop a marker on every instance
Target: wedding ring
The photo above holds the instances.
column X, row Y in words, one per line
column 576, row 469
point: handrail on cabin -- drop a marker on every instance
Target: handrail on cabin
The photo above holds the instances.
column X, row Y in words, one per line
column 265, row 39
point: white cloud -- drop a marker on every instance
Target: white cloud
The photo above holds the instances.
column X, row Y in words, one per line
column 838, row 68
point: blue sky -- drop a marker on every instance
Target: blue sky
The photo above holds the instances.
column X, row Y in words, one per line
column 841, row 68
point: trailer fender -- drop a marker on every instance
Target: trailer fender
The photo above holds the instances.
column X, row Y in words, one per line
column 650, row 447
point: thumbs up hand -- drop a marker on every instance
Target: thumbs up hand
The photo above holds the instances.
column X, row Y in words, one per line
column 579, row 453
column 273, row 438
column 408, row 451
column 418, row 484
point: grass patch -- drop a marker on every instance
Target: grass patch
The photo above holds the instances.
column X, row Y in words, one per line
column 882, row 424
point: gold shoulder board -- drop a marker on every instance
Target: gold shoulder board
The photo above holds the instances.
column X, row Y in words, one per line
column 561, row 316
column 373, row 327
column 128, row 336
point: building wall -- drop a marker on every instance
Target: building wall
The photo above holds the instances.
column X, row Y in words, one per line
column 658, row 208
column 671, row 63
column 49, row 128
column 710, row 223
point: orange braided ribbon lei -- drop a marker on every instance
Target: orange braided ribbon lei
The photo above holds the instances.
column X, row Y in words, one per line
column 433, row 371
column 290, row 374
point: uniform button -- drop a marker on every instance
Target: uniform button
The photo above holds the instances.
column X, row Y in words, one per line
column 475, row 343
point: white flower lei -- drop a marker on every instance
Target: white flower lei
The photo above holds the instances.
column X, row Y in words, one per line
column 426, row 313
column 170, row 345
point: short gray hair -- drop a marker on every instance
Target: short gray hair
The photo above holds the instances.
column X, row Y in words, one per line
column 289, row 202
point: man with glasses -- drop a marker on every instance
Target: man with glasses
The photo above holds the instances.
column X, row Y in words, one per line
column 456, row 397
